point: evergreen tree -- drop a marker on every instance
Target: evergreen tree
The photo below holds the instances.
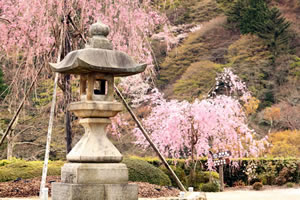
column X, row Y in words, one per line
column 246, row 14
column 274, row 31
column 255, row 17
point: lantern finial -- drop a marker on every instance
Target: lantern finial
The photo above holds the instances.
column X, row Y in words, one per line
column 98, row 32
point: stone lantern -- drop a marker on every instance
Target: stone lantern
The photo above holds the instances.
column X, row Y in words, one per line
column 93, row 170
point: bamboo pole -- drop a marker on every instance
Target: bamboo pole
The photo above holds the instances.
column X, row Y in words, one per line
column 162, row 158
column 50, row 125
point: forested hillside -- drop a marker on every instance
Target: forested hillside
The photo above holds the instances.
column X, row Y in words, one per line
column 258, row 40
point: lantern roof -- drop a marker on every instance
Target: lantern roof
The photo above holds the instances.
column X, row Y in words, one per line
column 98, row 57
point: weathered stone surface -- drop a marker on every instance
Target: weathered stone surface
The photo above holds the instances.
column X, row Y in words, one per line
column 69, row 191
column 77, row 192
column 89, row 60
column 94, row 146
column 88, row 173
column 86, row 109
column 121, row 191
column 98, row 56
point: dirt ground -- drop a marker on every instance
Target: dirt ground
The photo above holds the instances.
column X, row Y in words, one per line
column 269, row 194
column 26, row 189
column 21, row 189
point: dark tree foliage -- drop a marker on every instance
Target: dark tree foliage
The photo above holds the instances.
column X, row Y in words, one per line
column 246, row 14
column 2, row 85
column 274, row 31
column 255, row 17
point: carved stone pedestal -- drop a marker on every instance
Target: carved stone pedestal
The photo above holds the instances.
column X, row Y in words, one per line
column 90, row 173
column 94, row 181
column 71, row 191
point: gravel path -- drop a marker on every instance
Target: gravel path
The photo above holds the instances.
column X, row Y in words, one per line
column 273, row 194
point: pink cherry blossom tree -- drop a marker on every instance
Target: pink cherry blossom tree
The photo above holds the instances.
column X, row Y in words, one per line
column 191, row 130
column 31, row 35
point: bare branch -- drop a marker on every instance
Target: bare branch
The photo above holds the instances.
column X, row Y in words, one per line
column 32, row 143
column 5, row 20
column 61, row 86
column 75, row 27
column 21, row 105
column 25, row 130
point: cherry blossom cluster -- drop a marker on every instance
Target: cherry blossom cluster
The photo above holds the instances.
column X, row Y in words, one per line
column 30, row 35
column 229, row 83
column 181, row 129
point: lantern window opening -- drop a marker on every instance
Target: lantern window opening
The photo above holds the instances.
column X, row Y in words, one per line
column 100, row 87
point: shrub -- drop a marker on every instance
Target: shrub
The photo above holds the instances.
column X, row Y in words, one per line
column 201, row 178
column 11, row 170
column 239, row 183
column 179, row 173
column 267, row 169
column 141, row 171
column 210, row 187
column 257, row 186
column 285, row 143
column 285, row 175
column 289, row 185
column 204, row 176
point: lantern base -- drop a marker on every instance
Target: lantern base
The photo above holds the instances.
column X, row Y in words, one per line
column 70, row 191
column 90, row 173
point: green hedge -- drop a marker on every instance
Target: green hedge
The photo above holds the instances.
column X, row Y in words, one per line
column 139, row 170
column 269, row 171
column 16, row 168
column 142, row 171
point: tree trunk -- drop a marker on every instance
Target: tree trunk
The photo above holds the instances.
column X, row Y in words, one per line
column 67, row 90
column 10, row 145
column 67, row 101
column 210, row 144
column 10, row 140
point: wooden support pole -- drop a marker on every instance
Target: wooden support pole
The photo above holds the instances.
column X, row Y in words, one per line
column 47, row 151
column 161, row 157
column 221, row 176
column 50, row 127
